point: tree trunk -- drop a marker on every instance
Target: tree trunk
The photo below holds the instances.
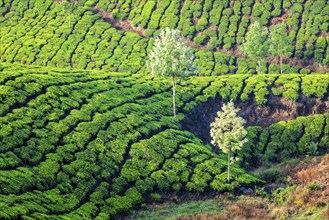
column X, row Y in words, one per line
column 228, row 165
column 259, row 67
column 174, row 96
column 281, row 64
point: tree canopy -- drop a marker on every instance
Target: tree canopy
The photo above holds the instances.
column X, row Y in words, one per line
column 280, row 42
column 227, row 131
column 256, row 45
column 171, row 57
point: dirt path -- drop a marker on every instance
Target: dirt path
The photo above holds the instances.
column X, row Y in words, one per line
column 124, row 25
column 127, row 26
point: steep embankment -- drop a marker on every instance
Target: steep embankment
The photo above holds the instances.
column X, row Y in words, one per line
column 276, row 109
column 263, row 100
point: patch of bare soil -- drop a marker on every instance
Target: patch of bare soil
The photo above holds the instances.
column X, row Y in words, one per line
column 277, row 109
column 282, row 18
column 124, row 25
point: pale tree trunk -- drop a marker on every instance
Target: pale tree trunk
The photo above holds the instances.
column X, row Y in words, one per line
column 281, row 64
column 174, row 96
column 259, row 67
column 228, row 165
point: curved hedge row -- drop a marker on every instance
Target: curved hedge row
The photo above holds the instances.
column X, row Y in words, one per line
column 284, row 140
column 224, row 23
column 259, row 88
column 38, row 33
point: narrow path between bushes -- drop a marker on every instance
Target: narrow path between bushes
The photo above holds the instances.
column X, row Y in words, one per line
column 127, row 26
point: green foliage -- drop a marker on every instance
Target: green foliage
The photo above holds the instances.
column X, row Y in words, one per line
column 257, row 87
column 314, row 186
column 201, row 24
column 68, row 135
column 270, row 175
column 227, row 131
column 156, row 197
column 280, row 42
column 315, row 86
column 45, row 43
column 200, row 40
column 256, row 45
column 280, row 195
column 288, row 86
column 170, row 56
column 284, row 140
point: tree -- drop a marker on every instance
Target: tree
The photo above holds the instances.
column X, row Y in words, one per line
column 256, row 45
column 280, row 42
column 170, row 57
column 69, row 6
column 227, row 132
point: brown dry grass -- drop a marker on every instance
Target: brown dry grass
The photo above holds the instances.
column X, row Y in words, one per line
column 315, row 171
column 299, row 201
column 313, row 186
column 308, row 198
column 243, row 208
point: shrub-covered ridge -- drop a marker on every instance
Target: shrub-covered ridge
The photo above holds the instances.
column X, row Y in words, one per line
column 89, row 144
column 38, row 32
column 93, row 144
column 223, row 24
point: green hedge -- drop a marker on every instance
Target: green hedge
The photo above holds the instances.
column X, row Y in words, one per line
column 285, row 140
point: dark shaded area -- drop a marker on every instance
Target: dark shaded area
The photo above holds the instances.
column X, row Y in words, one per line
column 277, row 109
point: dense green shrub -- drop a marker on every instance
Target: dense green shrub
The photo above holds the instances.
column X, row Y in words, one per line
column 200, row 40
column 286, row 140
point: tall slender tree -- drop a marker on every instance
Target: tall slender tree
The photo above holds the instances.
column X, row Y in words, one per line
column 68, row 7
column 256, row 45
column 170, row 57
column 280, row 42
column 227, row 132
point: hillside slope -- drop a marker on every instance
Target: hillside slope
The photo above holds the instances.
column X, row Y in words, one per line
column 88, row 144
column 87, row 133
column 222, row 25
column 43, row 33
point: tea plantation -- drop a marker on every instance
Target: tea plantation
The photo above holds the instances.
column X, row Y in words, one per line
column 87, row 133
column 38, row 32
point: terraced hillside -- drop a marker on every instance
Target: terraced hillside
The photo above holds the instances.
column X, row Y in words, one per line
column 88, row 144
column 222, row 25
column 87, row 133
column 39, row 32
